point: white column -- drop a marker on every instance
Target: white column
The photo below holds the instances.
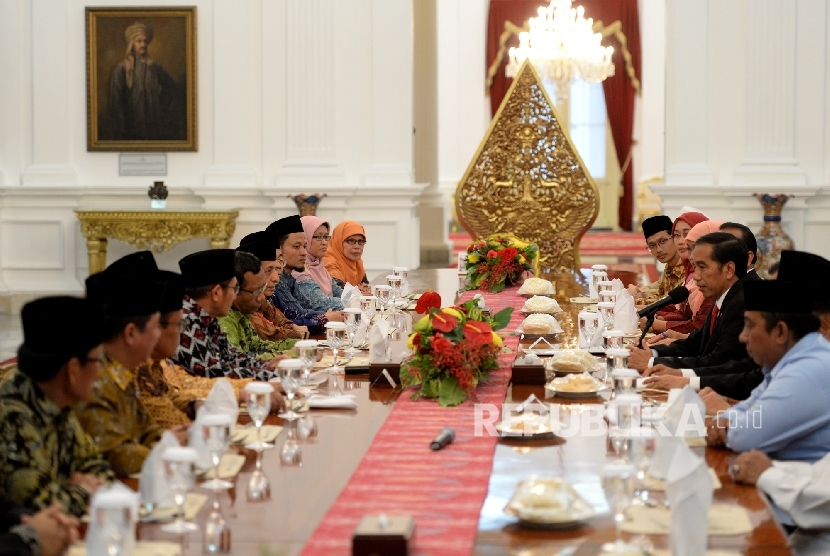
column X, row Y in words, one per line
column 391, row 94
column 769, row 156
column 50, row 100
column 237, row 94
column 311, row 157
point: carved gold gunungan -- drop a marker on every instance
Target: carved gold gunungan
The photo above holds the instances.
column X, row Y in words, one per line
column 153, row 230
column 527, row 179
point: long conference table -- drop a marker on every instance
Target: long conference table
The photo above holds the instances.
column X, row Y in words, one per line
column 301, row 495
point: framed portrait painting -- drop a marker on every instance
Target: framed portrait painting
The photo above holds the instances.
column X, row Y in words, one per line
column 141, row 79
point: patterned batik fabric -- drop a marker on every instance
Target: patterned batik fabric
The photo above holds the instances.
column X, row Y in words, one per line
column 311, row 296
column 672, row 277
column 117, row 419
column 42, row 447
column 170, row 393
column 241, row 333
column 271, row 324
column 204, row 350
column 285, row 300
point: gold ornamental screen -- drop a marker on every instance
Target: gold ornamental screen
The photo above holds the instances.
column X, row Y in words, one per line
column 527, row 179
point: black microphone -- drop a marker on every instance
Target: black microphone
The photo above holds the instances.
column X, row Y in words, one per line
column 677, row 295
column 444, row 437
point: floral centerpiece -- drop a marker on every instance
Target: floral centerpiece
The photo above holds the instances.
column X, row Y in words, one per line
column 498, row 261
column 454, row 349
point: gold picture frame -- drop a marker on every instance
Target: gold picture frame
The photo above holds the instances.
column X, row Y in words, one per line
column 141, row 79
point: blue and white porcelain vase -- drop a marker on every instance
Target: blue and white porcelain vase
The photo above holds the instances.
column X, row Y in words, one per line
column 772, row 239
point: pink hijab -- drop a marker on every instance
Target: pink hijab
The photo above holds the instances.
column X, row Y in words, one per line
column 314, row 269
column 698, row 231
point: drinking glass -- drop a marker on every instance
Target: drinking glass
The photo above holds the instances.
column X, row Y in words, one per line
column 306, row 427
column 307, row 353
column 352, row 319
column 114, row 516
column 642, row 443
column 608, row 296
column 259, row 487
column 291, row 454
column 607, row 311
column 624, row 381
column 395, row 282
column 401, row 271
column 615, row 359
column 258, row 400
column 368, row 307
column 180, row 469
column 335, row 336
column 289, row 370
column 598, row 274
column 217, row 538
column 618, row 482
column 383, row 294
column 216, row 430
column 588, row 324
column 613, row 339
column 624, row 414
column 604, row 286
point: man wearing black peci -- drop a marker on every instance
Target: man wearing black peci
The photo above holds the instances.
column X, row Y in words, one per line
column 720, row 265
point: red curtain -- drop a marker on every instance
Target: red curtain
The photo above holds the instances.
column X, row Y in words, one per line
column 619, row 89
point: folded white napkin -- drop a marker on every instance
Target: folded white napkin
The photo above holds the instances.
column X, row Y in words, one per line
column 220, row 401
column 663, row 455
column 596, row 340
column 350, row 297
column 685, row 416
column 617, row 285
column 113, row 497
column 689, row 491
column 378, row 341
column 152, row 485
column 625, row 313
column 346, row 401
column 360, row 333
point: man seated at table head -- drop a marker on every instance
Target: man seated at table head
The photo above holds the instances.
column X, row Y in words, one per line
column 786, row 416
column 252, row 282
column 268, row 321
column 292, row 243
column 46, row 456
column 169, row 392
column 720, row 265
column 210, row 286
column 745, row 234
column 658, row 234
column 114, row 415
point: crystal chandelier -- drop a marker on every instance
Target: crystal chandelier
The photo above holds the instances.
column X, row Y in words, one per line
column 562, row 46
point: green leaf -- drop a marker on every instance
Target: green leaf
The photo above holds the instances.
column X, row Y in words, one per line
column 449, row 393
column 502, row 318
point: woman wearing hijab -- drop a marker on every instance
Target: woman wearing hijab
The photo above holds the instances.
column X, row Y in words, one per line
column 344, row 257
column 316, row 289
column 677, row 321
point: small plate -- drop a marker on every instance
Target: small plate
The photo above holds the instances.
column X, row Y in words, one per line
column 528, row 313
column 539, row 427
column 576, row 395
column 583, row 300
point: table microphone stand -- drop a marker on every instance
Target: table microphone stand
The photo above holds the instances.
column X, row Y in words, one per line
column 649, row 322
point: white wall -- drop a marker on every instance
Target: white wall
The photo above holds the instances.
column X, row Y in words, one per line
column 747, row 92
column 293, row 97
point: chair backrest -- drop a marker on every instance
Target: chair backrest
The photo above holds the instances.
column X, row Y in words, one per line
column 527, row 179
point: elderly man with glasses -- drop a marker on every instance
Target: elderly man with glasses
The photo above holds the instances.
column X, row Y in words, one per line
column 657, row 232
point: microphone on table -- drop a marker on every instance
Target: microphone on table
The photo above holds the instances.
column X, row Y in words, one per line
column 677, row 295
column 446, row 436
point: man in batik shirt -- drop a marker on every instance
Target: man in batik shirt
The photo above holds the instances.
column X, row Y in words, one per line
column 252, row 284
column 45, row 455
column 268, row 321
column 292, row 243
column 657, row 231
column 204, row 350
column 170, row 393
column 115, row 415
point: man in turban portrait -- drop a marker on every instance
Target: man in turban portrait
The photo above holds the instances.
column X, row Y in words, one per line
column 143, row 98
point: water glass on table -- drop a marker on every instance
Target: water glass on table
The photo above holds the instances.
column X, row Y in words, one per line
column 642, row 443
column 394, row 282
column 615, row 358
column 383, row 295
column 307, row 353
column 352, row 317
column 114, row 516
column 606, row 310
column 336, row 337
column 258, row 400
column 289, row 370
column 216, row 431
column 180, row 469
column 618, row 483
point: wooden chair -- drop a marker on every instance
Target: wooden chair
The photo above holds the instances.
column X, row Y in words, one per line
column 527, row 179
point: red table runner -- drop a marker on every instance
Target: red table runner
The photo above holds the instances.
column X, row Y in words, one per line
column 399, row 474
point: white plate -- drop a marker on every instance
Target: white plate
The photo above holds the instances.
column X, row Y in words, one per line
column 540, row 351
column 576, row 395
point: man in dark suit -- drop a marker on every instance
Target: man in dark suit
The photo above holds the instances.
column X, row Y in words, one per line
column 720, row 262
column 745, row 234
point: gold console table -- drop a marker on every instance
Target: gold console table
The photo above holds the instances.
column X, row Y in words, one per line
column 156, row 230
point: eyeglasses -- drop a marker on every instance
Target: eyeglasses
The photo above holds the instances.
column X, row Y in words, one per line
column 321, row 238
column 234, row 288
column 660, row 243
column 181, row 324
column 352, row 241
column 256, row 292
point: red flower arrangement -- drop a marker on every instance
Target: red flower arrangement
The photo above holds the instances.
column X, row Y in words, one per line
column 454, row 349
column 497, row 261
